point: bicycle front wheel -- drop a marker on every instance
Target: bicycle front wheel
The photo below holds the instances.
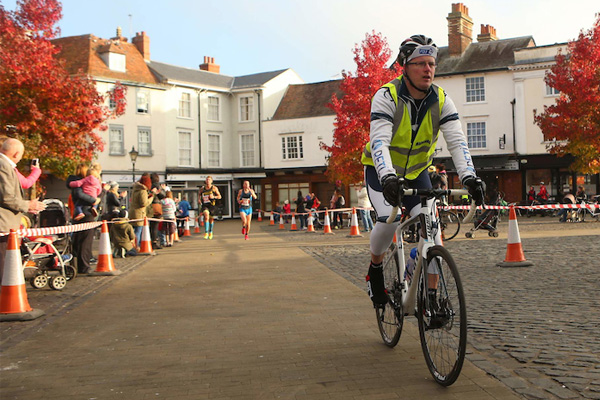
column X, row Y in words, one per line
column 391, row 317
column 450, row 224
column 442, row 316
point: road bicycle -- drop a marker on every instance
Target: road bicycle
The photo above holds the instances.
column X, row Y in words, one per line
column 433, row 292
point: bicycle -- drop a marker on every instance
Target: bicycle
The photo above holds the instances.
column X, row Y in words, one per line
column 438, row 294
column 450, row 223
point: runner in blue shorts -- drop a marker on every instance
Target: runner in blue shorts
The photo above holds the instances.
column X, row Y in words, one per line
column 244, row 199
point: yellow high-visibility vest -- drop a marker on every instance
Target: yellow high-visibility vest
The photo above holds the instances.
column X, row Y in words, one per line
column 409, row 157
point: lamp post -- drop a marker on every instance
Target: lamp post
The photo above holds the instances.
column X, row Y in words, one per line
column 133, row 154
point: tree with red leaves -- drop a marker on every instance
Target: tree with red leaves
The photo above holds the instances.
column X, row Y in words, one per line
column 353, row 110
column 573, row 122
column 56, row 116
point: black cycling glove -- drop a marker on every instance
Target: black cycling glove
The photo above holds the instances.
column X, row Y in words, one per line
column 391, row 189
column 476, row 189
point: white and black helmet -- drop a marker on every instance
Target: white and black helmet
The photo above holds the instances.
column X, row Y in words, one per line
column 416, row 46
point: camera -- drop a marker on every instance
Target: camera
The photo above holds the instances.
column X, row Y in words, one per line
column 35, row 162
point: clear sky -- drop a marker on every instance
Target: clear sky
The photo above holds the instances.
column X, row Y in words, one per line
column 313, row 37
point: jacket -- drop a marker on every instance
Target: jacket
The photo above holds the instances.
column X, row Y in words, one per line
column 140, row 199
column 404, row 132
column 121, row 233
column 12, row 203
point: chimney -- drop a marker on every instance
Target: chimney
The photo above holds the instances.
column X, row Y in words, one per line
column 209, row 65
column 460, row 29
column 488, row 34
column 142, row 42
column 119, row 36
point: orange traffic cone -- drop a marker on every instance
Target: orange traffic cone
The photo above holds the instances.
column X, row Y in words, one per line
column 14, row 305
column 327, row 224
column 259, row 216
column 197, row 227
column 310, row 226
column 293, row 227
column 106, row 264
column 354, row 230
column 272, row 220
column 186, row 227
column 514, row 250
column 146, row 245
column 281, row 223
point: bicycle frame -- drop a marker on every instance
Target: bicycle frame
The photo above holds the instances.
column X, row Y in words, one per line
column 428, row 217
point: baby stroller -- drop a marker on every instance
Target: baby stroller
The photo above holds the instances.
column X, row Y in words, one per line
column 47, row 259
column 487, row 220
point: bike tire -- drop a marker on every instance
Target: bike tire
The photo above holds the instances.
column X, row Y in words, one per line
column 443, row 332
column 450, row 224
column 390, row 317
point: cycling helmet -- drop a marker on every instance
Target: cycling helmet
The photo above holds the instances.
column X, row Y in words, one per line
column 416, row 46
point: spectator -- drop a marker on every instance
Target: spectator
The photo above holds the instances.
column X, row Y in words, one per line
column 34, row 175
column 142, row 197
column 531, row 195
column 155, row 210
column 365, row 205
column 12, row 203
column 90, row 185
column 113, row 201
column 168, row 225
column 82, row 240
column 287, row 210
column 184, row 211
column 338, row 203
column 580, row 194
column 543, row 194
column 277, row 213
column 301, row 210
column 122, row 236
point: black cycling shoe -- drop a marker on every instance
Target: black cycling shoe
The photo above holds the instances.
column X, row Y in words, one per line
column 376, row 287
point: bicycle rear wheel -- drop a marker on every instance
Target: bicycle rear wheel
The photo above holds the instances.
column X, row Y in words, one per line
column 442, row 316
column 391, row 317
column 450, row 224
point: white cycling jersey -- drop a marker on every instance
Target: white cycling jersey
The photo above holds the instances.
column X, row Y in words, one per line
column 383, row 109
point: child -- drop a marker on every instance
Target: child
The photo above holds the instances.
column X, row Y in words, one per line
column 90, row 185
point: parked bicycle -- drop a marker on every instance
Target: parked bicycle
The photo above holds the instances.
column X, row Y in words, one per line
column 434, row 286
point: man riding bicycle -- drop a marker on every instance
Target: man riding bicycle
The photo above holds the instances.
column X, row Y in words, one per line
column 406, row 117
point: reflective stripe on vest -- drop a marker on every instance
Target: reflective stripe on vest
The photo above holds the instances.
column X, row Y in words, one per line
column 411, row 158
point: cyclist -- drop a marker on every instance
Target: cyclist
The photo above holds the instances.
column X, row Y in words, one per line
column 406, row 117
column 209, row 193
column 244, row 199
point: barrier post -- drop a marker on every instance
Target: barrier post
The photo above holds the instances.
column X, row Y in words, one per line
column 514, row 251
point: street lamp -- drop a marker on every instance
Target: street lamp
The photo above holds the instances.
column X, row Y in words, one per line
column 133, row 154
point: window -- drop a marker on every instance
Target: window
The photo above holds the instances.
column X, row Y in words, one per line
column 112, row 104
column 246, row 108
column 550, row 91
column 476, row 135
column 143, row 104
column 213, row 108
column 291, row 147
column 247, row 149
column 475, row 89
column 289, row 191
column 214, row 150
column 144, row 141
column 114, row 61
column 185, row 106
column 115, row 140
column 185, row 148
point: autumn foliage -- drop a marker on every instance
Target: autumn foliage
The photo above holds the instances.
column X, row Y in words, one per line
column 57, row 116
column 353, row 110
column 574, row 120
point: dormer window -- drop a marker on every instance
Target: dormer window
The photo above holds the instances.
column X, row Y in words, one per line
column 113, row 56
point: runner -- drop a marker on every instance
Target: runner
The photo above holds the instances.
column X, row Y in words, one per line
column 244, row 199
column 208, row 194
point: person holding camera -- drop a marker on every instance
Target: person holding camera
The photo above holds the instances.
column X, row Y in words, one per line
column 34, row 174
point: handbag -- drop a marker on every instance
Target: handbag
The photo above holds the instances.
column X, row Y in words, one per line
column 157, row 209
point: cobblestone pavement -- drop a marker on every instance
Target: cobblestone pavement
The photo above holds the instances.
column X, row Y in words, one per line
column 536, row 328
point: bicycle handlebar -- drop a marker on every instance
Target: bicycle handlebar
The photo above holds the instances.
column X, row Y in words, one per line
column 434, row 193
